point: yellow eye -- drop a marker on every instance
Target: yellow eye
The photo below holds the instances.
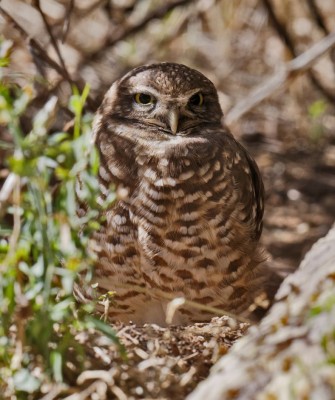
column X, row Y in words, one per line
column 196, row 100
column 144, row 98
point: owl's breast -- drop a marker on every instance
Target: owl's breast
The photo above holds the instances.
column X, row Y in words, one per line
column 186, row 219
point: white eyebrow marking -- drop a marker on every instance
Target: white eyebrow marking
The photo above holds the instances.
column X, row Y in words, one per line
column 144, row 89
column 183, row 98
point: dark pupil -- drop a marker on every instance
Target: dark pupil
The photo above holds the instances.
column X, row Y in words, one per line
column 195, row 100
column 145, row 98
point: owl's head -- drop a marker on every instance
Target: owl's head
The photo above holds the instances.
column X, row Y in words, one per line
column 168, row 99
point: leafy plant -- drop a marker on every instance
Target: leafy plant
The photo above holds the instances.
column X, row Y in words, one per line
column 43, row 242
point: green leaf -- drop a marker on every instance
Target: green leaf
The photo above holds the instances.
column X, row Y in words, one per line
column 4, row 62
column 317, row 109
column 106, row 330
column 75, row 104
column 23, row 167
column 36, row 289
column 57, row 138
column 56, row 361
column 60, row 310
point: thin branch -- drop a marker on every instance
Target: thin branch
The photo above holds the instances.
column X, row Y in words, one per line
column 280, row 28
column 281, row 77
column 83, row 14
column 317, row 16
column 52, row 38
column 286, row 38
column 66, row 26
column 156, row 14
column 159, row 13
column 37, row 47
column 95, row 387
column 321, row 23
column 42, row 54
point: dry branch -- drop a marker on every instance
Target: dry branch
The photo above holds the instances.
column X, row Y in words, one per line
column 52, row 39
column 67, row 22
column 285, row 36
column 281, row 77
column 156, row 14
column 317, row 16
column 124, row 33
column 40, row 53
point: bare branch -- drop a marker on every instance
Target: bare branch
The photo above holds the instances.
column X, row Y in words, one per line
column 52, row 38
column 131, row 30
column 43, row 56
column 287, row 39
column 279, row 27
column 317, row 16
column 299, row 64
column 66, row 26
column 156, row 14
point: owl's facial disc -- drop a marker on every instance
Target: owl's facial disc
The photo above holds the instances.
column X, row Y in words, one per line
column 166, row 99
column 174, row 115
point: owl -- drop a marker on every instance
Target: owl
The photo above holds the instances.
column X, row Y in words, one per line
column 188, row 215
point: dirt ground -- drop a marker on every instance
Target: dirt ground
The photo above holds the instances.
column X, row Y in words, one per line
column 160, row 363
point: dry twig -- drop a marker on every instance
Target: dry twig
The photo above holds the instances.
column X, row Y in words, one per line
column 287, row 39
column 317, row 16
column 160, row 12
column 52, row 39
column 66, row 26
column 281, row 77
column 39, row 52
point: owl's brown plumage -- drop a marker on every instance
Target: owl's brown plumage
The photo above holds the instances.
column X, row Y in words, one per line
column 189, row 211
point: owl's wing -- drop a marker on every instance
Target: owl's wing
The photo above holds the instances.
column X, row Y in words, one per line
column 247, row 176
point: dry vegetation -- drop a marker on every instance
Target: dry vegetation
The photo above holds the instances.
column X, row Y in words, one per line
column 49, row 48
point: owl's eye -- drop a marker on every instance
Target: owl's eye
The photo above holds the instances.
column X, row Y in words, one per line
column 144, row 98
column 196, row 100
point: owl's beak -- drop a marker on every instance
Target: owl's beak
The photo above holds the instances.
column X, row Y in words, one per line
column 173, row 118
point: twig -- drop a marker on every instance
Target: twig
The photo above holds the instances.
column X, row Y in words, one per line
column 52, row 39
column 156, row 14
column 66, row 26
column 281, row 77
column 124, row 33
column 106, row 376
column 42, row 54
column 98, row 387
column 321, row 24
column 119, row 393
column 286, row 38
column 317, row 16
column 54, row 392
column 39, row 49
column 280, row 28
